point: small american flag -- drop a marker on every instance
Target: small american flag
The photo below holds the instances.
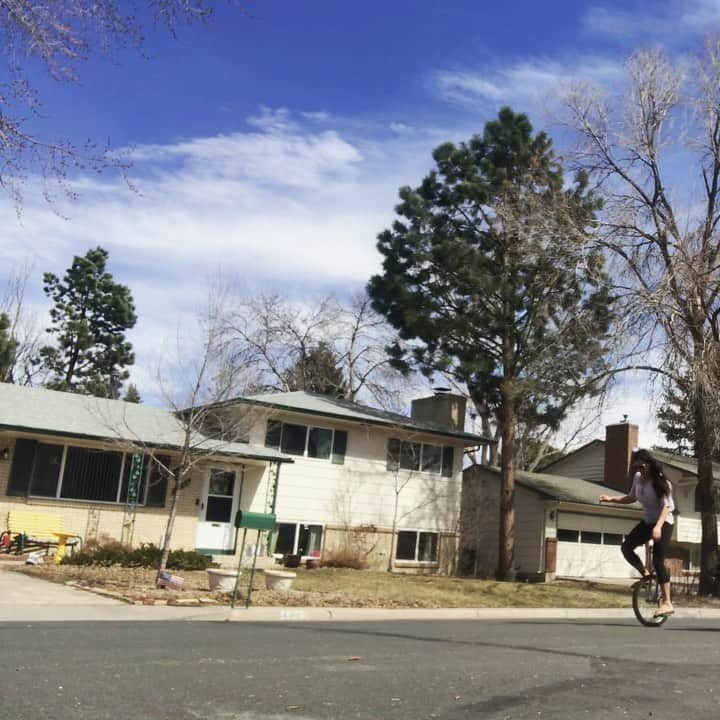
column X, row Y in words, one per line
column 166, row 580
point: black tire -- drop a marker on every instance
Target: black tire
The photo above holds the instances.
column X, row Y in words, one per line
column 646, row 599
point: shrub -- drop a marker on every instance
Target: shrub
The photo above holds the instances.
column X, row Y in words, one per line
column 351, row 559
column 112, row 552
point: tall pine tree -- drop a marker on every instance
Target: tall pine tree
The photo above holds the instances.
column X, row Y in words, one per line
column 90, row 315
column 489, row 276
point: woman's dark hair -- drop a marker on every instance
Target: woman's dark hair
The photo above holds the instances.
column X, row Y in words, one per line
column 655, row 469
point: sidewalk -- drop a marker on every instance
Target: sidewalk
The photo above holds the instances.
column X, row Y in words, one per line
column 30, row 600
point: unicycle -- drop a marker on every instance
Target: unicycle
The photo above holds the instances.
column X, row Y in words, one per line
column 646, row 598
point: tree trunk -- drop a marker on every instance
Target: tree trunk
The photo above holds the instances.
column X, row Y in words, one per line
column 506, row 569
column 706, row 492
column 170, row 524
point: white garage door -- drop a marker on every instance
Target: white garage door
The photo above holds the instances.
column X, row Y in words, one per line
column 589, row 547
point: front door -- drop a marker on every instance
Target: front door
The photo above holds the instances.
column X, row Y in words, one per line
column 216, row 530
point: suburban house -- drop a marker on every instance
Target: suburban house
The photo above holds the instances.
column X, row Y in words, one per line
column 74, row 456
column 561, row 529
column 364, row 480
column 338, row 475
column 607, row 462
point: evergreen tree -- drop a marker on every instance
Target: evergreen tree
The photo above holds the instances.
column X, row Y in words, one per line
column 316, row 370
column 489, row 276
column 675, row 420
column 132, row 395
column 90, row 316
column 8, row 346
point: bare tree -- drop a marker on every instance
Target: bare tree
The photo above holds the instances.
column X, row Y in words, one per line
column 655, row 151
column 270, row 335
column 196, row 388
column 61, row 35
column 23, row 329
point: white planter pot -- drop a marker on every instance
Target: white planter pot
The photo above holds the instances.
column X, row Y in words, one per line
column 278, row 580
column 221, row 580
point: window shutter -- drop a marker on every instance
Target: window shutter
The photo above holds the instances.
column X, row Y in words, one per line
column 273, row 433
column 22, row 465
column 448, row 460
column 339, row 447
column 157, row 485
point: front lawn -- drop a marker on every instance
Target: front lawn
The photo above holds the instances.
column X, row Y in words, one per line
column 329, row 587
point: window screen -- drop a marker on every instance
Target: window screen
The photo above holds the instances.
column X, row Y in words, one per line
column 91, row 475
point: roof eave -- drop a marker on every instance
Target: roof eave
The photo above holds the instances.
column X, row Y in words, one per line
column 473, row 439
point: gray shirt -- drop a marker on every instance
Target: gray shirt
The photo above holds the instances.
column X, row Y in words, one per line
column 645, row 494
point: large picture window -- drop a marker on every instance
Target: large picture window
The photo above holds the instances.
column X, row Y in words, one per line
column 434, row 459
column 417, row 546
column 76, row 473
column 307, row 441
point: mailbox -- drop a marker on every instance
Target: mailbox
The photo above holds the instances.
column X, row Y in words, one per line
column 254, row 520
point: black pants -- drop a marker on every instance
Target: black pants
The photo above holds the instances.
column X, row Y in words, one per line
column 639, row 535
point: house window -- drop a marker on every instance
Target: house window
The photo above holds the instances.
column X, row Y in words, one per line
column 434, row 459
column 305, row 441
column 590, row 537
column 91, row 475
column 416, row 546
column 320, row 443
column 75, row 473
column 298, row 539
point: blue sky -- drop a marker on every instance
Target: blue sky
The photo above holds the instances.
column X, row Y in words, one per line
column 271, row 144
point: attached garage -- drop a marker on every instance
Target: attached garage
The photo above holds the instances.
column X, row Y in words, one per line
column 561, row 529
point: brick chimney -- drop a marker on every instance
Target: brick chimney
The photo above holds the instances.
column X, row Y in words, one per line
column 443, row 408
column 620, row 441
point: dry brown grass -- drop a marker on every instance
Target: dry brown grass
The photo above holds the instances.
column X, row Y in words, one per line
column 331, row 587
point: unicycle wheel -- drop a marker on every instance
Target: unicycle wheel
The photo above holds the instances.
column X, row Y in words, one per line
column 646, row 598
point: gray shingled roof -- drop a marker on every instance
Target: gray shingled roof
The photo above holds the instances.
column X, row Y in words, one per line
column 565, row 489
column 680, row 462
column 317, row 404
column 50, row 412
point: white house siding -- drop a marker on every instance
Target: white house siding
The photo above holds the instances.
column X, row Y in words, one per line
column 587, row 464
column 360, row 493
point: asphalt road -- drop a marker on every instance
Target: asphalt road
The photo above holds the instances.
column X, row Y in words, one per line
column 381, row 670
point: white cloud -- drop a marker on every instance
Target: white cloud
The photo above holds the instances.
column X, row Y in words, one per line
column 526, row 83
column 283, row 205
column 670, row 22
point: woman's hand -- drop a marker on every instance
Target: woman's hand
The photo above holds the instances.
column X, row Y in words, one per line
column 606, row 498
column 657, row 532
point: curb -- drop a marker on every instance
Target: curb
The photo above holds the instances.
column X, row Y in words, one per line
column 285, row 614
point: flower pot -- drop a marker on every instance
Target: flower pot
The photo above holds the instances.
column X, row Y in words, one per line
column 221, row 580
column 278, row 580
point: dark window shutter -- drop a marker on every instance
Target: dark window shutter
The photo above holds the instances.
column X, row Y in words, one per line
column 272, row 436
column 157, row 487
column 21, row 471
column 339, row 447
column 448, row 460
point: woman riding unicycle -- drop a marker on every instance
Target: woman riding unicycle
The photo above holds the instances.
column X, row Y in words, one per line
column 653, row 491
